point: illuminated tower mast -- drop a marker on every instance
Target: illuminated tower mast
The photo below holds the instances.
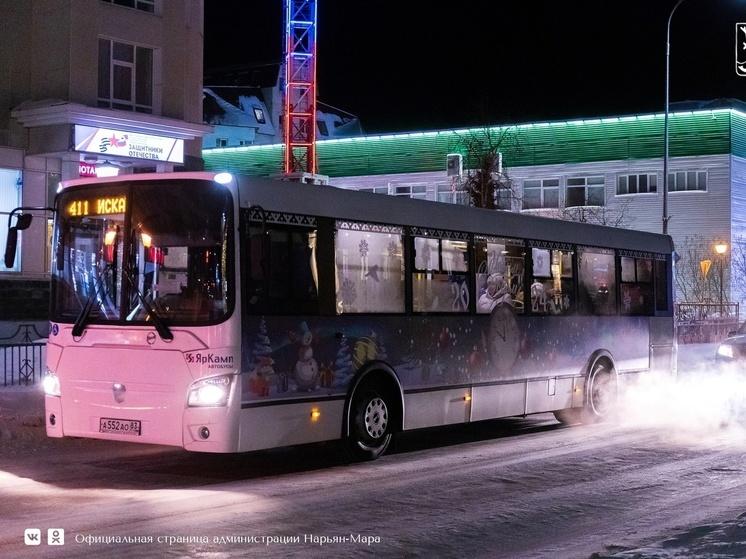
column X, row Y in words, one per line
column 300, row 86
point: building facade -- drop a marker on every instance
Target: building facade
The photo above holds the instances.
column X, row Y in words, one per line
column 244, row 106
column 87, row 87
column 606, row 170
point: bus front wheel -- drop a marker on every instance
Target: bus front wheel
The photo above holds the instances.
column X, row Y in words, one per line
column 371, row 425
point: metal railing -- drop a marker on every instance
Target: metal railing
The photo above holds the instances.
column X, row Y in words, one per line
column 22, row 356
column 705, row 322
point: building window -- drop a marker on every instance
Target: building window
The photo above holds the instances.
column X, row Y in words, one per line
column 679, row 181
column 540, row 193
column 370, row 270
column 143, row 5
column 418, row 191
column 11, row 184
column 642, row 183
column 504, row 198
column 53, row 183
column 323, row 130
column 450, row 194
column 125, row 76
column 585, row 191
column 244, row 142
column 375, row 189
column 259, row 115
column 221, row 142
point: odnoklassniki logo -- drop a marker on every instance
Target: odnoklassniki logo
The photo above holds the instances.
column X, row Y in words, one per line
column 211, row 360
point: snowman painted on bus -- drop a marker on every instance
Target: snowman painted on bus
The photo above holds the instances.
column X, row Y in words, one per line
column 306, row 370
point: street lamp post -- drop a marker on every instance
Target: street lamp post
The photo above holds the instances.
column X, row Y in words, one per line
column 665, row 123
column 720, row 250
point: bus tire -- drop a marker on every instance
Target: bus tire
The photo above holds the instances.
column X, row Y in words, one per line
column 371, row 424
column 569, row 416
column 601, row 392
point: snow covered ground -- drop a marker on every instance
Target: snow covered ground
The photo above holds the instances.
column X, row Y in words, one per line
column 667, row 481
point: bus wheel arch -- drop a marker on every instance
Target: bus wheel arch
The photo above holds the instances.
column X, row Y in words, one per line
column 374, row 411
column 600, row 390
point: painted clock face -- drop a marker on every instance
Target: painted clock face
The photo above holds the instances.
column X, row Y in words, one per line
column 504, row 338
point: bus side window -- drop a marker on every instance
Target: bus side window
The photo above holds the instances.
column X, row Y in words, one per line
column 369, row 270
column 282, row 276
column 499, row 274
column 440, row 276
column 637, row 286
column 661, row 285
column 597, row 281
column 553, row 282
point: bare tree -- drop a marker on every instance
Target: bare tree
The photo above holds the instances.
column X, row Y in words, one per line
column 486, row 182
column 613, row 216
column 738, row 267
column 697, row 277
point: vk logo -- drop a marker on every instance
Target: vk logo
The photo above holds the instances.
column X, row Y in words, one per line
column 32, row 536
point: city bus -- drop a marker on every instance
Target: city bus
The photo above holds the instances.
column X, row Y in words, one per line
column 222, row 313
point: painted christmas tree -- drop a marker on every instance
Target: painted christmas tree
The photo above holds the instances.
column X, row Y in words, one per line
column 343, row 363
column 262, row 369
column 262, row 346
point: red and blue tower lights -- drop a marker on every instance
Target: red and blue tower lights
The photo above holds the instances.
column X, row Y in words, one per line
column 300, row 86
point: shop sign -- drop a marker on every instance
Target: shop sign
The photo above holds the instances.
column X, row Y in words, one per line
column 105, row 141
column 86, row 169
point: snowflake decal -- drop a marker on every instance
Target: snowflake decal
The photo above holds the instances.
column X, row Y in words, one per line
column 348, row 292
column 363, row 248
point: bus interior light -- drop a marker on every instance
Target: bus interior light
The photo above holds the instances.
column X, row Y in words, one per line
column 315, row 414
column 467, row 398
column 147, row 240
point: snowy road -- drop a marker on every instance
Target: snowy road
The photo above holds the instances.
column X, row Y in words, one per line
column 511, row 488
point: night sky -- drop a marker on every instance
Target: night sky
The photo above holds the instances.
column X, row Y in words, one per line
column 415, row 65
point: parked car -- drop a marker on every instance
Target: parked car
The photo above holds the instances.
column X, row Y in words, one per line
column 734, row 346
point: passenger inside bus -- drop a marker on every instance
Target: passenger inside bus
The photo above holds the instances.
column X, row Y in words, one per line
column 497, row 291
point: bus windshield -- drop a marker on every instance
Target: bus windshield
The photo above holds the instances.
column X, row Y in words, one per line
column 128, row 249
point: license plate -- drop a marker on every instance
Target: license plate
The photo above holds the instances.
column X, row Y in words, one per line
column 119, row 426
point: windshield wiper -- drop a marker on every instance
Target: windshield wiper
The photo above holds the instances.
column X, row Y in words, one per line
column 160, row 324
column 80, row 321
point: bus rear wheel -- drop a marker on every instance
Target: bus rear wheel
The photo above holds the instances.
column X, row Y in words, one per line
column 370, row 425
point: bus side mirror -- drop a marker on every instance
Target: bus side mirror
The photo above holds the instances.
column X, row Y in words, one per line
column 10, row 247
column 23, row 221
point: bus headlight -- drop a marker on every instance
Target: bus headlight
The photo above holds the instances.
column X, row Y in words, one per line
column 51, row 384
column 725, row 350
column 211, row 391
